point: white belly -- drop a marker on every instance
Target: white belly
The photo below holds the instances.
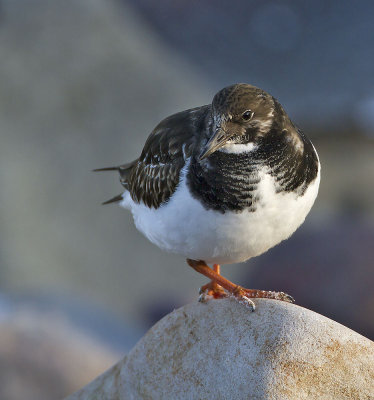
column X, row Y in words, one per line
column 185, row 227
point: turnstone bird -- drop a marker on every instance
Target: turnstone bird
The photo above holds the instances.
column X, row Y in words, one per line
column 222, row 183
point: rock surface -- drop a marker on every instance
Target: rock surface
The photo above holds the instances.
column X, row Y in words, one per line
column 221, row 350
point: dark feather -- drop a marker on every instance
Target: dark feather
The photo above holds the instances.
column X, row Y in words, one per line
column 114, row 199
column 106, row 169
column 123, row 170
column 153, row 178
column 120, row 168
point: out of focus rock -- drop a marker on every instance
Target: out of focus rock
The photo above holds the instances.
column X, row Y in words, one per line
column 221, row 350
column 43, row 356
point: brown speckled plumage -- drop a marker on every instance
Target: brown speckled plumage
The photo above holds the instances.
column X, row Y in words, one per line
column 222, row 181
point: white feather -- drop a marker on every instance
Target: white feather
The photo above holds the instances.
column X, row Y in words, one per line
column 238, row 147
column 184, row 226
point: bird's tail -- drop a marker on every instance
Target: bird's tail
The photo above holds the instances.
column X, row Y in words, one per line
column 123, row 170
column 115, row 199
column 106, row 169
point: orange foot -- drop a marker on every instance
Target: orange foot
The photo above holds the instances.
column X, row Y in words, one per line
column 221, row 287
column 212, row 288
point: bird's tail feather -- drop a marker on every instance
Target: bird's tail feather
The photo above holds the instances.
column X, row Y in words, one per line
column 123, row 170
column 106, row 169
column 114, row 199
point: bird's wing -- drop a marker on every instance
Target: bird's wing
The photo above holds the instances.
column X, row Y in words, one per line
column 154, row 176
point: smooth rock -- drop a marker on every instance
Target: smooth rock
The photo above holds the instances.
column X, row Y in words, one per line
column 222, row 350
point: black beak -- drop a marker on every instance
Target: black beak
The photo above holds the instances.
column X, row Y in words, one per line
column 215, row 142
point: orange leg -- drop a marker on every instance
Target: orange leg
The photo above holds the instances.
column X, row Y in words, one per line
column 242, row 294
column 212, row 288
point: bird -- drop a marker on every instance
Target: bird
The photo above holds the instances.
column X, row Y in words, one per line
column 222, row 183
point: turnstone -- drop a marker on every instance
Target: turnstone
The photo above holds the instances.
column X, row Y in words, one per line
column 222, row 183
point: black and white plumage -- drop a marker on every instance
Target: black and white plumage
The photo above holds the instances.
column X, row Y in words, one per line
column 223, row 182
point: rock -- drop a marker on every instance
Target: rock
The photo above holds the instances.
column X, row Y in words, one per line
column 221, row 350
column 44, row 355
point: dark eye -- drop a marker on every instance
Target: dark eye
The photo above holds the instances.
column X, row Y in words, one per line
column 247, row 115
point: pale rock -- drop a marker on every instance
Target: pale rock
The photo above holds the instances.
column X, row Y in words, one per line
column 222, row 350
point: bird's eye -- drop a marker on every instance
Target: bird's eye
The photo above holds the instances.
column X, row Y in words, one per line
column 247, row 115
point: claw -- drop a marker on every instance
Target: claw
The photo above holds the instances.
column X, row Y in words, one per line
column 246, row 301
column 202, row 297
column 283, row 297
column 287, row 297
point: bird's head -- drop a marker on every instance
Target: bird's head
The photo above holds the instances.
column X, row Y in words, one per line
column 240, row 115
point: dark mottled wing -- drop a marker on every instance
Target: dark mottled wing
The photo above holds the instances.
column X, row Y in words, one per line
column 153, row 178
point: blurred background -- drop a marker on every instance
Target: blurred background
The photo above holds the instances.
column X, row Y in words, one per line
column 82, row 84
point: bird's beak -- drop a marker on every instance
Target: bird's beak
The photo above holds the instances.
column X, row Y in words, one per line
column 215, row 142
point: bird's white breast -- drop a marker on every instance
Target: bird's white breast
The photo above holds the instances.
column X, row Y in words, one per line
column 184, row 226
